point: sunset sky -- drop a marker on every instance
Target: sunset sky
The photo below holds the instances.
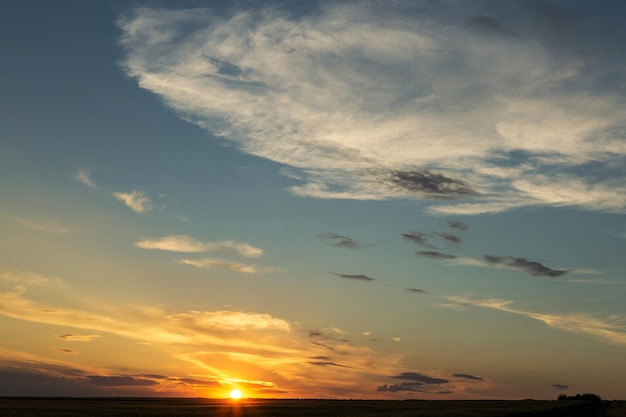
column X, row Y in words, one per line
column 333, row 199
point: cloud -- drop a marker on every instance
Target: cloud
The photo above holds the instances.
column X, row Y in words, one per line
column 531, row 267
column 327, row 363
column 83, row 176
column 455, row 224
column 467, row 376
column 405, row 386
column 609, row 329
column 435, row 255
column 560, row 386
column 417, row 377
column 342, row 241
column 358, row 277
column 419, row 238
column 138, row 201
column 453, row 239
column 386, row 101
column 186, row 244
column 214, row 263
column 120, row 381
column 422, row 238
column 43, row 226
column 416, row 290
column 77, row 338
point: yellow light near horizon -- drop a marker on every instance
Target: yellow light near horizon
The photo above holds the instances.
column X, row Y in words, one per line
column 235, row 394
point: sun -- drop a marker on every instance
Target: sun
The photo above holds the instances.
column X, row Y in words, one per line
column 235, row 394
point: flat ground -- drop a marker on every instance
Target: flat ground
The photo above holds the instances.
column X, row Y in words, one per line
column 140, row 407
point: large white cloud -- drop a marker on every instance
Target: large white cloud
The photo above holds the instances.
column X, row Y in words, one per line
column 366, row 101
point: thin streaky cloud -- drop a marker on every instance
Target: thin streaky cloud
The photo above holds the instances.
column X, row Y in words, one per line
column 533, row 268
column 416, row 290
column 357, row 277
column 77, row 338
column 452, row 239
column 435, row 255
column 611, row 329
column 456, row 224
column 84, row 177
column 43, row 226
column 341, row 241
column 419, row 238
column 214, row 263
column 138, row 201
column 186, row 244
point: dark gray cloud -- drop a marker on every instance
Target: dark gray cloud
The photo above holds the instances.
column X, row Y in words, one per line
column 560, row 386
column 120, row 381
column 453, row 239
column 531, row 267
column 430, row 185
column 418, row 238
column 405, row 386
column 328, row 363
column 153, row 376
column 468, row 376
column 417, row 377
column 66, row 350
column 488, row 25
column 358, row 277
column 435, row 255
column 416, row 290
column 193, row 381
column 455, row 224
column 341, row 241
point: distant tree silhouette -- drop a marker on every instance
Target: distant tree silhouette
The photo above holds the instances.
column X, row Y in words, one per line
column 581, row 397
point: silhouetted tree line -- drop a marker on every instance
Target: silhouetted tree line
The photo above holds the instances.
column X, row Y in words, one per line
column 581, row 397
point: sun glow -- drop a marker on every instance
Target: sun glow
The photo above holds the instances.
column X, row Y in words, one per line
column 235, row 394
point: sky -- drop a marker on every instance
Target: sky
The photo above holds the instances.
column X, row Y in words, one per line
column 333, row 199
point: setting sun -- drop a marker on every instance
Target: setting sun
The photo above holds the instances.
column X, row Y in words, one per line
column 235, row 394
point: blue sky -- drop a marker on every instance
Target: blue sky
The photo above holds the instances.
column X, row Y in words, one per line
column 338, row 200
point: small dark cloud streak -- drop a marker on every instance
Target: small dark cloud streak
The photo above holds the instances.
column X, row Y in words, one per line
column 341, row 241
column 417, row 377
column 468, row 376
column 358, row 277
column 416, row 290
column 430, row 185
column 455, row 224
column 419, row 238
column 435, row 254
column 531, row 267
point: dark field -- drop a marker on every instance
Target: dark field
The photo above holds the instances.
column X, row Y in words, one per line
column 138, row 407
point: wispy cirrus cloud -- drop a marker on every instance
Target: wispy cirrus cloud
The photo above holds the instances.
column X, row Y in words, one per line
column 78, row 338
column 186, row 244
column 138, row 201
column 611, row 329
column 215, row 263
column 43, row 225
column 84, row 177
column 374, row 101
